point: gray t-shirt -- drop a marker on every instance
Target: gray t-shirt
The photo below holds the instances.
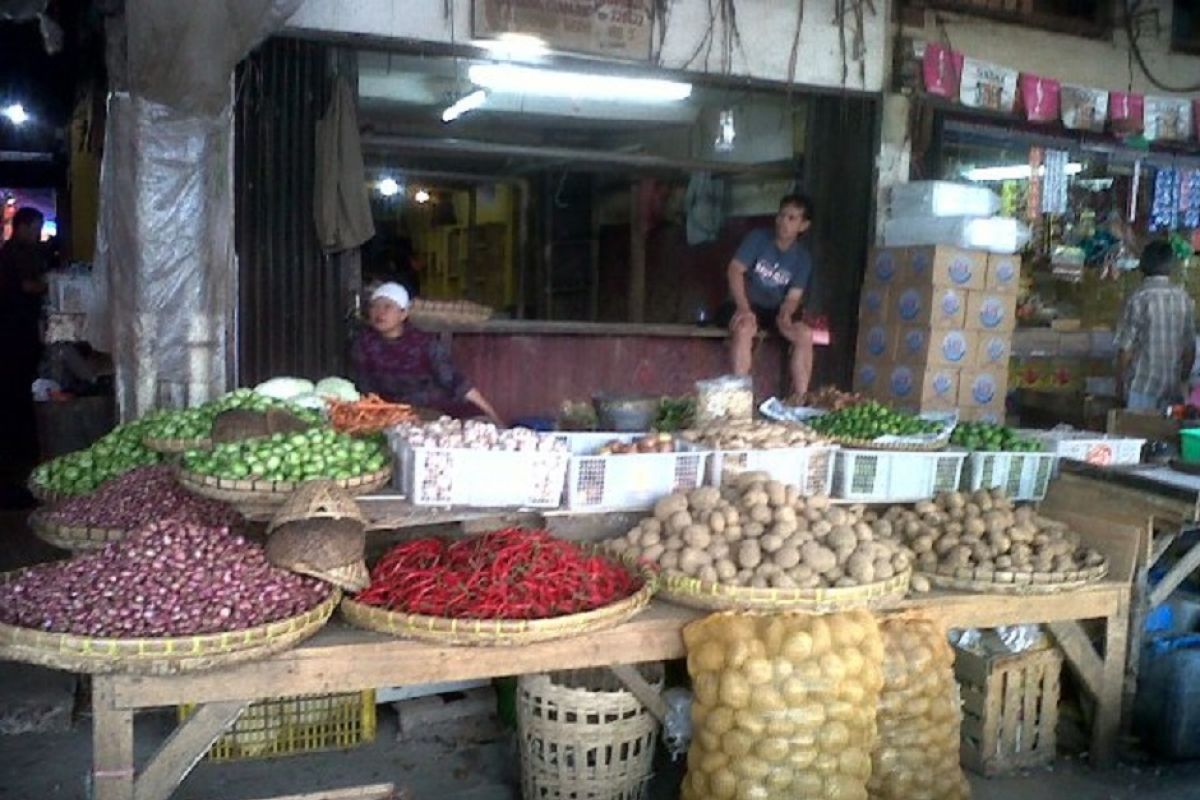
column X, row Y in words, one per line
column 770, row 273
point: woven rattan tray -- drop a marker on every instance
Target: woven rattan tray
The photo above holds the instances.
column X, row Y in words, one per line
column 46, row 495
column 160, row 656
column 72, row 537
column 998, row 581
column 171, row 446
column 261, row 492
column 711, row 596
column 500, row 632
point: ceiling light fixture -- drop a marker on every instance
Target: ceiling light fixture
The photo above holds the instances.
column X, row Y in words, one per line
column 514, row 47
column 421, row 196
column 388, row 187
column 1015, row 172
column 578, row 85
column 16, row 114
column 464, row 104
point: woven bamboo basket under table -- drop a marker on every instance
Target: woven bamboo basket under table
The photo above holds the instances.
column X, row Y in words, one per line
column 1001, row 581
column 710, row 596
column 256, row 496
column 499, row 632
column 174, row 446
column 160, row 656
column 72, row 537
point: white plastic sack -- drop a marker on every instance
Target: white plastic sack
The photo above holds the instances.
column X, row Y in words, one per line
column 995, row 234
column 942, row 199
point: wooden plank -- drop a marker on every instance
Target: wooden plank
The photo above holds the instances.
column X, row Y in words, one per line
column 632, row 679
column 1162, row 543
column 1012, row 691
column 1177, row 575
column 1106, row 727
column 112, row 744
column 1097, row 488
column 1032, row 723
column 1077, row 647
column 377, row 791
column 186, row 745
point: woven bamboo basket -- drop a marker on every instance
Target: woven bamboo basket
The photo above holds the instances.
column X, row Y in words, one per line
column 72, row 537
column 44, row 494
column 259, row 493
column 320, row 531
column 160, row 656
column 174, row 446
column 710, row 596
column 1000, row 581
column 499, row 632
column 583, row 735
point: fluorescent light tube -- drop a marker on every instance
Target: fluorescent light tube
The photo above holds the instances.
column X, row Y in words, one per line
column 1014, row 172
column 464, row 104
column 579, row 85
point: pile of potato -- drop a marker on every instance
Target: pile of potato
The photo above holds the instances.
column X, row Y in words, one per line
column 651, row 443
column 916, row 754
column 784, row 705
column 984, row 531
column 755, row 532
column 752, row 435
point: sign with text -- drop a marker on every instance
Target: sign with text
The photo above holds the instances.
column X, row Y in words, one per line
column 615, row 28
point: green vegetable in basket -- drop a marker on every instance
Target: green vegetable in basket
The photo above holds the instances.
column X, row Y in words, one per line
column 871, row 420
column 675, row 414
column 986, row 437
column 82, row 471
column 316, row 453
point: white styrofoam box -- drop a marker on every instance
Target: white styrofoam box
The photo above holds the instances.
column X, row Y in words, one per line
column 1093, row 448
column 994, row 234
column 1022, row 476
column 896, row 476
column 942, row 199
column 450, row 476
column 809, row 468
column 628, row 481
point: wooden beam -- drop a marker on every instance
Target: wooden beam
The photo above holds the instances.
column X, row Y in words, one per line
column 112, row 744
column 632, row 679
column 184, row 748
column 377, row 791
column 1177, row 574
column 1106, row 727
column 1161, row 545
column 1077, row 647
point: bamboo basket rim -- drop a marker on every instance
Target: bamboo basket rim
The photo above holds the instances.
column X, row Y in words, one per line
column 250, row 490
column 166, row 655
column 72, row 537
column 712, row 596
column 44, row 494
column 171, row 446
column 352, row 577
column 1018, row 581
column 503, row 632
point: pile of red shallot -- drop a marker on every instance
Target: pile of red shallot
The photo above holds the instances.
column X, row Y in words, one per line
column 166, row 579
column 140, row 496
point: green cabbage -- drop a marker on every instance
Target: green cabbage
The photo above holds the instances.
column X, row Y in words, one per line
column 337, row 389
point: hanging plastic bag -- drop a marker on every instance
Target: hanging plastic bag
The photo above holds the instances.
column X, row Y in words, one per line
column 942, row 70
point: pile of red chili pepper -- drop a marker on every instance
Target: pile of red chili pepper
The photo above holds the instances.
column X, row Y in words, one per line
column 510, row 574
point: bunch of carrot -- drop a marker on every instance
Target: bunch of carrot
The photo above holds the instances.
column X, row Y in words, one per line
column 370, row 414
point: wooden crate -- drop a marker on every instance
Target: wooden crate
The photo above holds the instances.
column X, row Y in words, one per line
column 1010, row 709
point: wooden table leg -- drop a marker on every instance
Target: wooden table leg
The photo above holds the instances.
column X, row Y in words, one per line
column 1106, row 727
column 112, row 745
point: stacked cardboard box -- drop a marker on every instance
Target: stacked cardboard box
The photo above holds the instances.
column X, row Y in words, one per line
column 935, row 329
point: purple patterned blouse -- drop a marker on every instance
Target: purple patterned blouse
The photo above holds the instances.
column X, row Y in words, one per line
column 413, row 368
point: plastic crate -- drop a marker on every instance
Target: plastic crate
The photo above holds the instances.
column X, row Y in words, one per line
column 630, row 481
column 482, row 478
column 291, row 725
column 810, row 468
column 1093, row 448
column 1022, row 476
column 883, row 476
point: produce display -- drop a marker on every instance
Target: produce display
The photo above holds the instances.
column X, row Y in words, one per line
column 986, row 531
column 316, row 453
column 729, row 397
column 752, row 435
column 984, row 436
column 827, row 397
column 652, row 443
column 784, row 705
column 82, row 471
column 190, row 424
column 918, row 719
column 370, row 414
column 675, row 414
column 476, row 435
column 141, row 496
column 166, row 579
column 759, row 533
column 872, row 420
column 507, row 574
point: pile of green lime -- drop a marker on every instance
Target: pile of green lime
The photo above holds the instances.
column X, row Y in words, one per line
column 112, row 455
column 987, row 437
column 196, row 423
column 869, row 421
column 316, row 453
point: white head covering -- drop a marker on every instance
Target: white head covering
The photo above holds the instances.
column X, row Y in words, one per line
column 394, row 292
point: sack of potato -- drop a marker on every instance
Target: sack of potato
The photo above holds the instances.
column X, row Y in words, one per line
column 916, row 755
column 759, row 533
column 983, row 536
column 784, row 705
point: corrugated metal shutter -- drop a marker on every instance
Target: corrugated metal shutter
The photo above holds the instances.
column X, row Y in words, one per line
column 291, row 313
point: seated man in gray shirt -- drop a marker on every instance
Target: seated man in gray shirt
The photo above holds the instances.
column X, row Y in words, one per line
column 768, row 277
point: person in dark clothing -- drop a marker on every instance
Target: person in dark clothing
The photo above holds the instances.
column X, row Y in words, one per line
column 22, row 286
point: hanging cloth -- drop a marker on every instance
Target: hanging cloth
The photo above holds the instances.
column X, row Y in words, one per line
column 705, row 204
column 341, row 206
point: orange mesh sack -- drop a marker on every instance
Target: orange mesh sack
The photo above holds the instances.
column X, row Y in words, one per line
column 784, row 705
column 916, row 757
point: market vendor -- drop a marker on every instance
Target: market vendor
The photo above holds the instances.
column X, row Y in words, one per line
column 1156, row 338
column 768, row 279
column 393, row 359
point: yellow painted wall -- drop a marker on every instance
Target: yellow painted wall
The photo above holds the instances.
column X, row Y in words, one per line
column 441, row 245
